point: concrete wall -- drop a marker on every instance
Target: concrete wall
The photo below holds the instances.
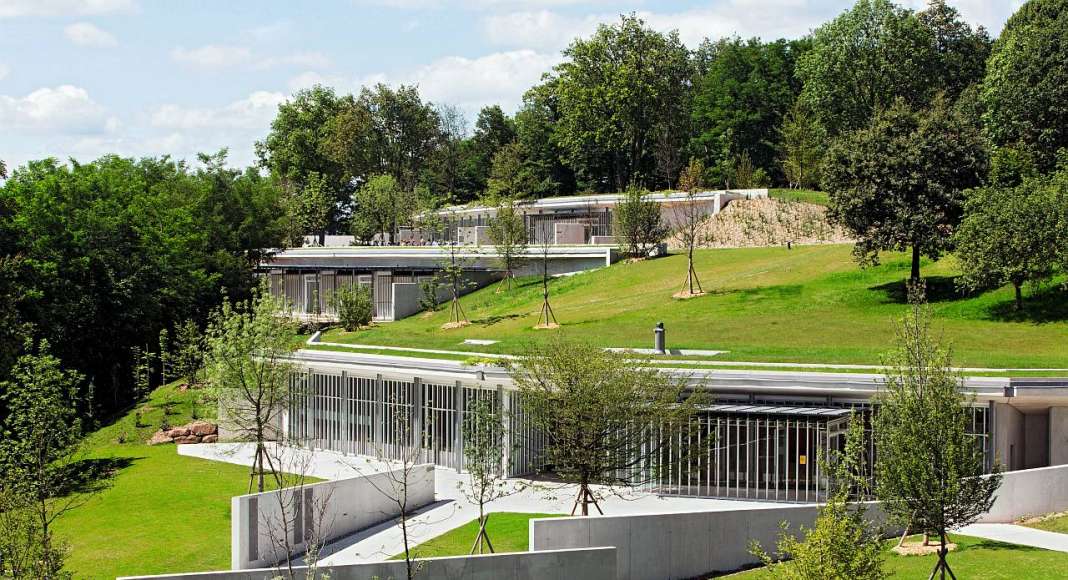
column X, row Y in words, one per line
column 1036, row 439
column 1058, row 435
column 673, row 545
column 1008, row 436
column 586, row 564
column 405, row 299
column 1031, row 492
column 323, row 510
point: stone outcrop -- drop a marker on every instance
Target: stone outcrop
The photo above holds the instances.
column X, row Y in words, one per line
column 195, row 432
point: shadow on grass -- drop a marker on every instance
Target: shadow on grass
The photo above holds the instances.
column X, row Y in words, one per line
column 491, row 320
column 939, row 289
column 1039, row 306
column 768, row 292
column 92, row 475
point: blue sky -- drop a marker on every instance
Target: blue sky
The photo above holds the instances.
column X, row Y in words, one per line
column 80, row 78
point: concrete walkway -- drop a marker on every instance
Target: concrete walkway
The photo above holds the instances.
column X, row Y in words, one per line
column 1021, row 535
column 452, row 509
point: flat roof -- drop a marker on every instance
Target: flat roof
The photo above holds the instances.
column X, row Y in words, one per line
column 779, row 410
column 601, row 199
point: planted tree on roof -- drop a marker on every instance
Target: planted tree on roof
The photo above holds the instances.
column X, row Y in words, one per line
column 930, row 471
column 508, row 233
column 1009, row 235
column 248, row 345
column 609, row 421
column 690, row 215
column 453, row 272
column 547, row 318
column 38, row 462
column 637, row 223
column 899, row 184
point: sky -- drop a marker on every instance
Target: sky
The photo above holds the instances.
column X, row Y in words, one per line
column 83, row 78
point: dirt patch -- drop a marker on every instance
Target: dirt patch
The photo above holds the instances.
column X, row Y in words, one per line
column 748, row 223
column 1042, row 518
column 916, row 548
column 452, row 325
column 686, row 295
column 548, row 326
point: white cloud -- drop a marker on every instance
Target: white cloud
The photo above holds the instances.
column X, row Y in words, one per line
column 88, row 34
column 543, row 29
column 254, row 112
column 212, row 56
column 65, row 108
column 15, row 8
column 989, row 13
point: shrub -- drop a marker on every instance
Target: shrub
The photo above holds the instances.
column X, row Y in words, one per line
column 353, row 306
column 638, row 225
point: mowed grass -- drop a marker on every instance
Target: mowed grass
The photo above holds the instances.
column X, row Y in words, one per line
column 975, row 559
column 807, row 305
column 507, row 530
column 1054, row 523
column 159, row 512
column 805, row 195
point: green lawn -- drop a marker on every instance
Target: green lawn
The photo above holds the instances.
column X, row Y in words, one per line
column 1056, row 523
column 975, row 559
column 807, row 305
column 507, row 530
column 160, row 512
column 805, row 195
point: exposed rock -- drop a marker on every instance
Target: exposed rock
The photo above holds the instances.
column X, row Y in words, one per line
column 187, row 440
column 766, row 222
column 178, row 432
column 202, row 428
column 159, row 438
column 209, row 439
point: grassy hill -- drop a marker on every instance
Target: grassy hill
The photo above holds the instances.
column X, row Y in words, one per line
column 810, row 304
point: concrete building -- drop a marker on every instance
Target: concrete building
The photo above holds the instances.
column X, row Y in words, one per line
column 767, row 428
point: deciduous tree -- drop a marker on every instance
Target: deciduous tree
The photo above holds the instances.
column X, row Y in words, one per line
column 637, row 225
column 508, row 233
column 899, row 183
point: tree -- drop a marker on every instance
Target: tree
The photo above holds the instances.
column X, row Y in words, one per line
column 353, row 305
column 249, row 344
column 381, row 206
column 614, row 92
column 297, row 147
column 690, row 214
column 898, row 184
column 512, row 175
column 3, row 169
column 1026, row 82
column 453, row 271
column 546, row 318
column 1009, row 235
column 189, row 351
column 38, row 452
column 929, row 471
column 607, row 419
column 960, row 52
column 540, row 152
column 843, row 544
column 494, row 130
column 310, row 209
column 637, row 223
column 862, row 61
column 508, row 233
column 803, row 142
column 740, row 103
column 484, row 461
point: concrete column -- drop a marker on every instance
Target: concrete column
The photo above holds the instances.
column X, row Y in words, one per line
column 417, row 415
column 1009, row 438
column 1058, row 435
column 506, row 424
column 458, row 428
column 380, row 410
column 1036, row 439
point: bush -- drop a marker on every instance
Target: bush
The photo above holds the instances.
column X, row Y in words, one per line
column 638, row 225
column 428, row 299
column 353, row 306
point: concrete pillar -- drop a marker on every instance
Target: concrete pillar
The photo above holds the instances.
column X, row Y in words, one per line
column 1009, row 437
column 458, row 427
column 380, row 410
column 417, row 415
column 1036, row 439
column 506, row 424
column 1058, row 435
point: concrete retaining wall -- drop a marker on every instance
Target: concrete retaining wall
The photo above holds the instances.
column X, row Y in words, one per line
column 673, row 545
column 1030, row 492
column 586, row 564
column 323, row 511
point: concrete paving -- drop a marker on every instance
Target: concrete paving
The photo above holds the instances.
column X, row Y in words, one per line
column 1021, row 535
column 452, row 509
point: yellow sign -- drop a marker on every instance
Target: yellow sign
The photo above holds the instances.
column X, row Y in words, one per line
column 802, row 459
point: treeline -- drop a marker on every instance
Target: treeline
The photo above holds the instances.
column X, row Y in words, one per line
column 98, row 258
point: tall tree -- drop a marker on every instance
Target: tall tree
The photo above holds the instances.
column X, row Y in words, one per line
column 297, row 147
column 961, row 52
column 803, row 142
column 539, row 150
column 1026, row 82
column 740, row 103
column 637, row 223
column 381, row 207
column 608, row 420
column 898, row 184
column 1010, row 235
column 929, row 471
column 407, row 131
column 494, row 130
column 862, row 61
column 615, row 91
